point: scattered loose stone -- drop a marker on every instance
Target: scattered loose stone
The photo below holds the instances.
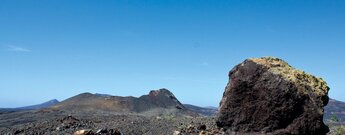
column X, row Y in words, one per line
column 84, row 132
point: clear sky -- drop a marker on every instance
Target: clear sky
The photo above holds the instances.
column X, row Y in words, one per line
column 60, row 48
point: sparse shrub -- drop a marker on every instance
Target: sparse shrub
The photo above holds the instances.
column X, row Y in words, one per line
column 340, row 130
column 169, row 117
column 334, row 118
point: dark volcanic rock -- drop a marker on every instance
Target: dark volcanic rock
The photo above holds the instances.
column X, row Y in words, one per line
column 268, row 95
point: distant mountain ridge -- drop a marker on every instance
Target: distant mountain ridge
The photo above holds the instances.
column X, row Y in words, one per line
column 157, row 101
column 40, row 106
column 33, row 107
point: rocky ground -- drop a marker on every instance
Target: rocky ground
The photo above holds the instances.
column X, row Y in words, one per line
column 38, row 122
column 62, row 123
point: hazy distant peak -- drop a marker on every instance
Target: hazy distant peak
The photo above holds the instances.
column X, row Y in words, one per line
column 103, row 95
column 40, row 106
column 53, row 101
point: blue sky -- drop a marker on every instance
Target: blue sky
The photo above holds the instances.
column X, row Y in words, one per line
column 60, row 48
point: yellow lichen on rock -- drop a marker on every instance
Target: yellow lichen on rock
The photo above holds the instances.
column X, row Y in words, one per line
column 301, row 78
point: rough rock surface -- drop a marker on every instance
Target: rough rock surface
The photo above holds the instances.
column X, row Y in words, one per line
column 100, row 123
column 267, row 95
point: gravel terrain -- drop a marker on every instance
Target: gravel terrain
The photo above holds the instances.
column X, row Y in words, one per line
column 62, row 123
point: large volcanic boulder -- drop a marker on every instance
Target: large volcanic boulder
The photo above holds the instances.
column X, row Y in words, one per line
column 268, row 95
